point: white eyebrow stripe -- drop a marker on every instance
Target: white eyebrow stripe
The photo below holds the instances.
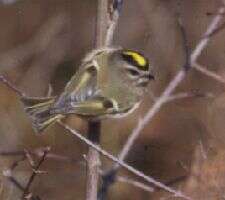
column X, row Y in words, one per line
column 131, row 67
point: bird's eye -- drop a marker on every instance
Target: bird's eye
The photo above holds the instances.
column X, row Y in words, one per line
column 133, row 72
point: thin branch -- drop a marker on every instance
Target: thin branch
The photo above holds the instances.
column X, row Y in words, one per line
column 39, row 153
column 102, row 23
column 208, row 73
column 115, row 9
column 105, row 26
column 189, row 61
column 135, row 183
column 123, row 164
column 156, row 107
column 186, row 65
column 184, row 95
column 108, row 180
column 17, row 184
column 110, row 23
column 34, row 173
column 218, row 29
column 171, row 87
column 11, row 86
column 8, row 174
column 150, row 114
column 61, row 158
column 94, row 128
column 93, row 161
column 207, row 36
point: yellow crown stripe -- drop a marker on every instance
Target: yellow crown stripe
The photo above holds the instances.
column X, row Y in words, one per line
column 137, row 57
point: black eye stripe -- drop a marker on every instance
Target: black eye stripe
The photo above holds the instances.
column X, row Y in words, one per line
column 133, row 72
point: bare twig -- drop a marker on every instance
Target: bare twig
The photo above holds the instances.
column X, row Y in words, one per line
column 11, row 86
column 218, row 29
column 93, row 161
column 123, row 164
column 114, row 13
column 105, row 26
column 8, row 174
column 107, row 181
column 189, row 61
column 208, row 73
column 34, row 173
column 184, row 95
column 156, row 107
column 94, row 128
column 150, row 114
column 208, row 34
column 135, row 183
column 39, row 153
column 61, row 158
column 171, row 87
column 102, row 23
column 17, row 184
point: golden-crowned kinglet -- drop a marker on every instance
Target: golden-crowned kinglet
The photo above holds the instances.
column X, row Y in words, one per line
column 109, row 83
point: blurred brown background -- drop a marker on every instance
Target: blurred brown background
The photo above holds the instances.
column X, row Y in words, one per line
column 42, row 43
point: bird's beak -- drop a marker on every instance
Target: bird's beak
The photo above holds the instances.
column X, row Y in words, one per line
column 148, row 77
column 151, row 77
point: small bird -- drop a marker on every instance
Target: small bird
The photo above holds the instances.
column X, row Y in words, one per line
column 109, row 83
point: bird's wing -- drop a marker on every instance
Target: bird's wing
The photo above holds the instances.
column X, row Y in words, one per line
column 82, row 86
column 82, row 96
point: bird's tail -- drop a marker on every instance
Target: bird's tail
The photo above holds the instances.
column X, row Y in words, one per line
column 38, row 110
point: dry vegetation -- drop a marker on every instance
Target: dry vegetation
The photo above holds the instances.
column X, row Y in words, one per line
column 42, row 42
